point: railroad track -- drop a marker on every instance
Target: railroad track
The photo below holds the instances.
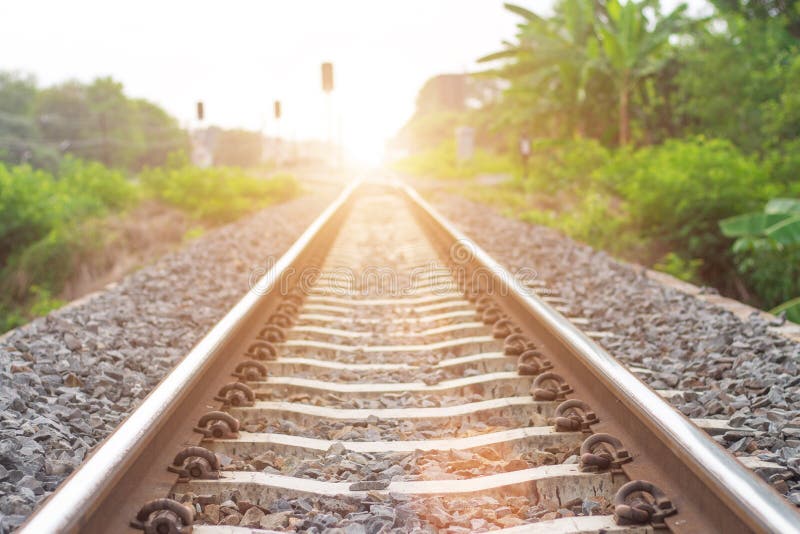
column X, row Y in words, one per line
column 387, row 375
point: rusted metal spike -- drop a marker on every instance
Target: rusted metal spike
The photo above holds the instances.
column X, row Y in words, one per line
column 483, row 303
column 293, row 299
column 502, row 327
column 288, row 308
column 272, row 333
column 516, row 344
column 195, row 462
column 218, row 425
column 236, row 394
column 280, row 319
column 640, row 502
column 602, row 451
column 164, row 516
column 251, row 371
column 550, row 386
column 262, row 350
column 574, row 415
column 532, row 362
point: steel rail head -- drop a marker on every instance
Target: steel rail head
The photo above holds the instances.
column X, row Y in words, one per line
column 749, row 498
column 77, row 497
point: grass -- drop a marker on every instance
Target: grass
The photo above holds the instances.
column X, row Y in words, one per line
column 60, row 231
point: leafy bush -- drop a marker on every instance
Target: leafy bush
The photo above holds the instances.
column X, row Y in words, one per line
column 767, row 252
column 42, row 234
column 92, row 189
column 215, row 195
column 442, row 162
column 591, row 219
column 676, row 193
column 686, row 270
column 34, row 203
column 27, row 207
column 556, row 165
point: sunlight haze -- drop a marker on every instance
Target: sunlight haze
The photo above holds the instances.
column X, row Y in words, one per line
column 239, row 56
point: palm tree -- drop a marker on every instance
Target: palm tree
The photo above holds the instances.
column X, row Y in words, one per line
column 635, row 47
column 553, row 59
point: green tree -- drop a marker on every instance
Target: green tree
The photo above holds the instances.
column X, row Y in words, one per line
column 787, row 11
column 554, row 63
column 635, row 39
column 20, row 139
column 99, row 122
column 753, row 98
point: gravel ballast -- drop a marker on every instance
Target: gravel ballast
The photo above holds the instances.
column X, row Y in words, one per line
column 728, row 368
column 68, row 379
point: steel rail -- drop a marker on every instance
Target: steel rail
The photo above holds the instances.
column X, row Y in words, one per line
column 78, row 497
column 749, row 499
column 736, row 499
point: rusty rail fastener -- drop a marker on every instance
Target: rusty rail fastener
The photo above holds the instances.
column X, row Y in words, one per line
column 262, row 350
column 574, row 415
column 236, row 394
column 600, row 452
column 516, row 344
column 195, row 462
column 251, row 371
column 294, row 296
column 288, row 308
column 640, row 502
column 272, row 333
column 280, row 319
column 218, row 425
column 550, row 386
column 532, row 362
column 502, row 325
column 483, row 303
column 164, row 516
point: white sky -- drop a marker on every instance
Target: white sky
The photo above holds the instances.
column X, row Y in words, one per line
column 238, row 56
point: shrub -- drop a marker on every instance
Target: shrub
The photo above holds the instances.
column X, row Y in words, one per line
column 28, row 207
column 676, row 193
column 591, row 220
column 42, row 231
column 441, row 162
column 215, row 195
column 89, row 188
column 34, row 203
column 556, row 165
column 767, row 252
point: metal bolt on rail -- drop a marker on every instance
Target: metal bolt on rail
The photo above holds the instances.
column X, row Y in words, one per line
column 550, row 386
column 288, row 308
column 483, row 303
column 251, row 371
column 532, row 362
column 502, row 328
column 492, row 315
column 516, row 344
column 195, row 462
column 262, row 350
column 219, row 425
column 164, row 516
column 272, row 334
column 600, row 452
column 640, row 502
column 236, row 394
column 281, row 320
column 574, row 415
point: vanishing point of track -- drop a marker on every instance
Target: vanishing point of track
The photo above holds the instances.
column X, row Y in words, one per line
column 387, row 375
